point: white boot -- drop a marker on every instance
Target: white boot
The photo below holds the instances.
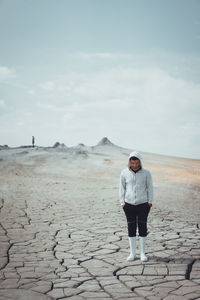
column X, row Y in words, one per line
column 132, row 243
column 142, row 248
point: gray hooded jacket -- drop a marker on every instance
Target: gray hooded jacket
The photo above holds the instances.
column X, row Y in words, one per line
column 135, row 188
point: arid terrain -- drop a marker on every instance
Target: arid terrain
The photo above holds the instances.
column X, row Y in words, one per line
column 63, row 233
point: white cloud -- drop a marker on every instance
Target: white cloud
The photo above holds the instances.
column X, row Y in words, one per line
column 100, row 55
column 2, row 103
column 31, row 92
column 50, row 107
column 6, row 73
column 55, row 86
column 48, row 85
column 151, row 92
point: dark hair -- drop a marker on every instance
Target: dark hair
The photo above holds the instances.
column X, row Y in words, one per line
column 133, row 158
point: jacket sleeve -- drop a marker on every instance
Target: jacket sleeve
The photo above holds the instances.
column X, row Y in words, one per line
column 149, row 188
column 122, row 189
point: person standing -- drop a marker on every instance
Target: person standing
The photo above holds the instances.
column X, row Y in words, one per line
column 136, row 196
column 33, row 141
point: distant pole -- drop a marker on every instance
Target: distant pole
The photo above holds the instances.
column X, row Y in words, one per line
column 33, row 141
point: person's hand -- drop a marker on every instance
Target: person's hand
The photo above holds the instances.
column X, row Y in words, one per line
column 123, row 205
column 150, row 204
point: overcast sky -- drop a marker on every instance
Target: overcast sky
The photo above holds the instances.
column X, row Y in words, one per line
column 75, row 71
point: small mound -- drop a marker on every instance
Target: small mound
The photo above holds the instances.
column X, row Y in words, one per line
column 59, row 145
column 3, row 147
column 105, row 141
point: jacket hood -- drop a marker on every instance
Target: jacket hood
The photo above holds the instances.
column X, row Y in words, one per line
column 136, row 154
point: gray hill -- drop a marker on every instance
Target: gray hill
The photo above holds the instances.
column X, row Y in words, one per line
column 105, row 141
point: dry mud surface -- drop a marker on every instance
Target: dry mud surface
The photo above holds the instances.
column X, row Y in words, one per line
column 63, row 234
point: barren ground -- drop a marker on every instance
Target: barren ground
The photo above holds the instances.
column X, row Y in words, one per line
column 63, row 234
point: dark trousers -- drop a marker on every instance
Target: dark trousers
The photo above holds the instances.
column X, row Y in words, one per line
column 136, row 216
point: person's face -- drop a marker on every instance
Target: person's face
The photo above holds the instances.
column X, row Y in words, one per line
column 134, row 164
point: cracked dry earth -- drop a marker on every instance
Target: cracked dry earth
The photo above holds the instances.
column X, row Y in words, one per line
column 63, row 233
